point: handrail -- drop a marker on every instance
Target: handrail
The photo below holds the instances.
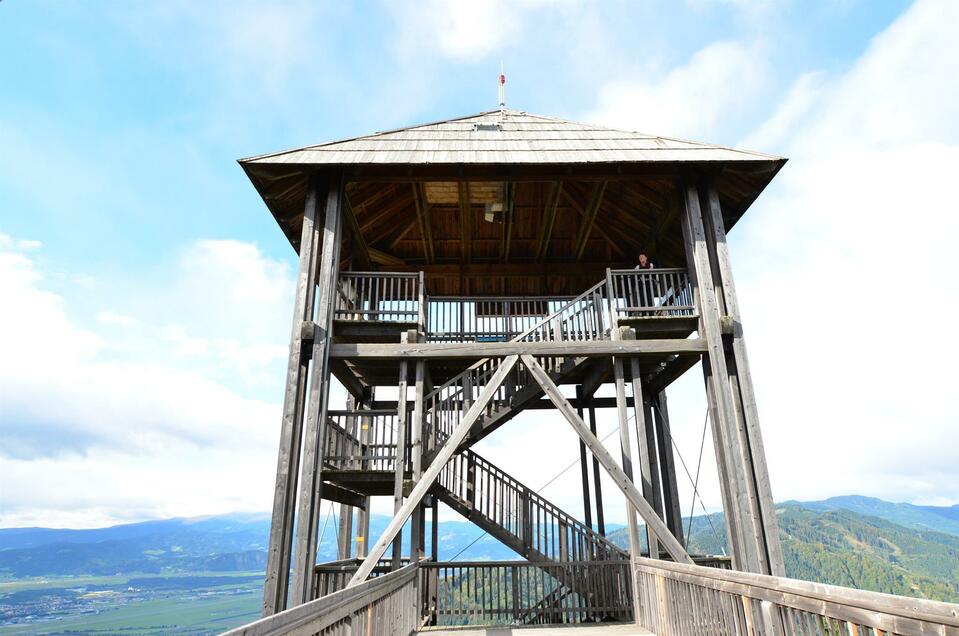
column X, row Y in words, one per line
column 734, row 603
column 356, row 606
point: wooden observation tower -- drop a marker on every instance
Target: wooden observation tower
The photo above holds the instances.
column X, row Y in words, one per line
column 474, row 268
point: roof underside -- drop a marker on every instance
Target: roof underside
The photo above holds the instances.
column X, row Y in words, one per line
column 576, row 198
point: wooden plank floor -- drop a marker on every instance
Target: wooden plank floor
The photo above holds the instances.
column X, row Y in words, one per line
column 545, row 630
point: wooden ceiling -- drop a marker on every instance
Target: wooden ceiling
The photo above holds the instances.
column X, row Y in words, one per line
column 505, row 238
column 531, row 231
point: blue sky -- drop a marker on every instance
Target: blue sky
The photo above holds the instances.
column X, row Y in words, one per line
column 147, row 288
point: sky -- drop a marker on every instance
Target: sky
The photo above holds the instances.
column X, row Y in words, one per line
column 146, row 293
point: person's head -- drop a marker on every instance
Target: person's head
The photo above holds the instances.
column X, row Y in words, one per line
column 643, row 258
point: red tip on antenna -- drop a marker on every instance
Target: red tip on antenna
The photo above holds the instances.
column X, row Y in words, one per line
column 502, row 79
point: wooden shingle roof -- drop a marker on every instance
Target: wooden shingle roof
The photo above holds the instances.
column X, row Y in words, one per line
column 507, row 137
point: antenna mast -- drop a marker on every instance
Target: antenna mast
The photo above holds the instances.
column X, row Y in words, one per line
column 502, row 89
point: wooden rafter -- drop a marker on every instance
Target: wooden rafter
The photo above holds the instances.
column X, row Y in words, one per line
column 359, row 243
column 397, row 203
column 589, row 219
column 423, row 220
column 507, row 234
column 549, row 217
column 466, row 226
column 615, row 244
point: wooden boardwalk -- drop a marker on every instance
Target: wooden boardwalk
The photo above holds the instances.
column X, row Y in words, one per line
column 545, row 630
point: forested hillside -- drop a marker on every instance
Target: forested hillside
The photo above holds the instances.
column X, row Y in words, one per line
column 842, row 547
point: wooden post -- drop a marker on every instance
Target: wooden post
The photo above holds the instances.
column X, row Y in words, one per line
column 743, row 537
column 443, row 455
column 597, row 484
column 344, row 534
column 363, row 520
column 623, row 415
column 310, row 497
column 284, row 494
column 740, row 375
column 645, row 452
column 417, row 538
column 435, row 529
column 622, row 481
column 583, row 464
column 667, row 466
column 400, row 467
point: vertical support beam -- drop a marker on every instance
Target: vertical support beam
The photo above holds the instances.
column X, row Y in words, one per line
column 400, row 468
column 344, row 535
column 417, row 539
column 643, row 442
column 622, row 413
column 583, row 464
column 742, row 380
column 597, row 484
column 363, row 520
column 310, row 497
column 744, row 533
column 667, row 466
column 435, row 530
column 287, row 469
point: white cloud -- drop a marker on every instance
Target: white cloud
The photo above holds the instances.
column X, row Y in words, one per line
column 845, row 265
column 466, row 30
column 134, row 418
column 688, row 101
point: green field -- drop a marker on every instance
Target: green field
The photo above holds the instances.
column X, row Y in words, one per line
column 187, row 604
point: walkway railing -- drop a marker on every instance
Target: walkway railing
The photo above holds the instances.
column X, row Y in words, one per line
column 362, row 440
column 495, row 319
column 522, row 592
column 380, row 296
column 677, row 599
column 386, row 606
column 646, row 293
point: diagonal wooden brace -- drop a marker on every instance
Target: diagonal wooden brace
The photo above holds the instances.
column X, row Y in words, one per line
column 625, row 484
column 430, row 474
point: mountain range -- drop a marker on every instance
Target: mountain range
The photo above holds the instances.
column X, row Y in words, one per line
column 857, row 541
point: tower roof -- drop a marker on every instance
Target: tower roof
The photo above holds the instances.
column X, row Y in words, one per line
column 507, row 137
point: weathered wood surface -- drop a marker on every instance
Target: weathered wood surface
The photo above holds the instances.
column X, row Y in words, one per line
column 311, row 481
column 284, row 495
column 717, row 238
column 582, row 348
column 679, row 599
column 386, row 605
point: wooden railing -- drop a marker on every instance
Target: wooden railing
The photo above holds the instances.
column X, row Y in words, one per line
column 539, row 527
column 362, row 440
column 386, row 606
column 647, row 293
column 522, row 592
column 676, row 599
column 333, row 576
column 381, row 297
column 494, row 319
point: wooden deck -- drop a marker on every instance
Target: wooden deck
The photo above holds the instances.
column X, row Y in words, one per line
column 545, row 630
